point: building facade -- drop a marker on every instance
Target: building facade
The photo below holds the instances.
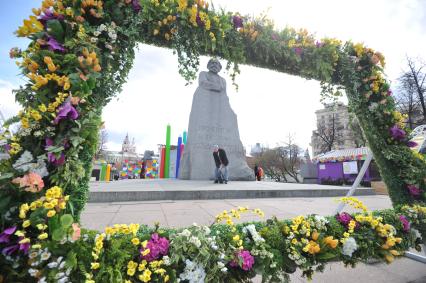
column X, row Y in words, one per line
column 128, row 152
column 333, row 129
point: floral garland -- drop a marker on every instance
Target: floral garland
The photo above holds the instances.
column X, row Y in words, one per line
column 79, row 57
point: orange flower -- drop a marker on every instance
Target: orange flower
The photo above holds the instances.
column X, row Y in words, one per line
column 315, row 236
column 32, row 182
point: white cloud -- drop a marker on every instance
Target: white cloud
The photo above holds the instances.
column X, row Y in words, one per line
column 8, row 106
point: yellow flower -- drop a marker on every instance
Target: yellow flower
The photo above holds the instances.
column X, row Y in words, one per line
column 389, row 258
column 131, row 271
column 24, row 241
column 146, row 276
column 42, row 108
column 30, row 26
column 145, row 252
column 94, row 265
column 166, row 278
column 135, row 241
column 26, row 223
column 182, row 5
column 294, row 241
column 19, row 233
column 142, row 265
column 51, row 213
column 144, row 243
column 42, row 236
column 48, row 205
column 36, row 246
column 156, row 31
column 315, row 236
column 236, row 238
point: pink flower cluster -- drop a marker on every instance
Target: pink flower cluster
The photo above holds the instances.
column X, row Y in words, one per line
column 405, row 223
column 344, row 218
column 243, row 259
column 32, row 182
column 158, row 246
column 414, row 191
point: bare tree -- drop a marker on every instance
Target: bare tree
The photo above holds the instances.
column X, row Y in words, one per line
column 282, row 162
column 410, row 97
column 357, row 134
column 328, row 134
column 102, row 140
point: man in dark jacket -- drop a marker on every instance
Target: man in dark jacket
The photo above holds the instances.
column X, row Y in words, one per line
column 221, row 162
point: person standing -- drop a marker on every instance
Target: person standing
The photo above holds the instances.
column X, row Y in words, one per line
column 256, row 171
column 221, row 162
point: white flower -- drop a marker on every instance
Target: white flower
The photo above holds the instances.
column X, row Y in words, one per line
column 186, row 233
column 62, row 265
column 108, row 46
column 349, row 247
column 214, row 246
column 52, row 264
column 102, row 27
column 33, row 272
column 59, row 275
column 256, row 237
column 45, row 255
column 93, row 39
column 42, row 280
column 24, row 161
column 194, row 240
column 416, row 233
column 193, row 272
column 220, row 264
column 207, row 230
column 166, row 260
column 33, row 255
column 224, row 270
column 63, row 280
column 97, row 33
column 222, row 256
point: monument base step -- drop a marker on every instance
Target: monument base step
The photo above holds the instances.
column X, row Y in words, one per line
column 154, row 190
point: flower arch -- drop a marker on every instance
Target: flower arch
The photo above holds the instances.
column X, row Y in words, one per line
column 79, row 56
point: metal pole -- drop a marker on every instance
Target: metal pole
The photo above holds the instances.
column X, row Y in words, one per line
column 357, row 180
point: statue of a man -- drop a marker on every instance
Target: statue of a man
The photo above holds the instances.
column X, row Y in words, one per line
column 210, row 80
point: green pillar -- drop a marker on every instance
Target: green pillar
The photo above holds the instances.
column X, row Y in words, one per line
column 167, row 159
column 184, row 137
column 103, row 172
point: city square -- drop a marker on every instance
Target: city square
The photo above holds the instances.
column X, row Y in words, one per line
column 119, row 163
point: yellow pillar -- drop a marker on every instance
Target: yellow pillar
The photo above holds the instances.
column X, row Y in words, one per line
column 108, row 172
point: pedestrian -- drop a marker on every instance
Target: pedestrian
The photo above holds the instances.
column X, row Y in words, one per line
column 221, row 162
column 259, row 173
column 256, row 171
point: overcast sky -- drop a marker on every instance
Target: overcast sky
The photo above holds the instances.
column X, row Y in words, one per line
column 269, row 105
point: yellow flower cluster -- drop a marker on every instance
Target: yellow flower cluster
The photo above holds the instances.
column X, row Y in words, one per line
column 182, row 4
column 249, row 31
column 354, row 202
column 30, row 26
column 49, row 62
column 236, row 213
column 167, row 21
column 146, row 270
column 193, row 15
column 399, row 118
column 312, row 247
column 96, row 7
column 31, row 65
column 359, row 49
column 14, row 148
column 58, row 101
column 89, row 60
column 43, row 80
column 54, row 201
column 122, row 229
column 97, row 249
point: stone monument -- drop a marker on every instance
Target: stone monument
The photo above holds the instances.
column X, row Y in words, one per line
column 212, row 121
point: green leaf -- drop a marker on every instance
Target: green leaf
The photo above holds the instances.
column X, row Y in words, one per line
column 55, row 29
column 326, row 256
column 4, row 203
column 6, row 176
column 58, row 234
column 66, row 220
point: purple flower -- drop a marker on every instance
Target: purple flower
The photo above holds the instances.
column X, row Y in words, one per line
column 10, row 250
column 319, row 44
column 344, row 218
column 136, row 6
column 298, row 51
column 200, row 22
column 405, row 223
column 53, row 45
column 397, row 133
column 158, row 246
column 411, row 144
column 389, row 93
column 274, row 36
column 49, row 15
column 66, row 111
column 5, row 235
column 51, row 157
column 414, row 191
column 243, row 259
column 237, row 21
column 24, row 247
column 7, row 147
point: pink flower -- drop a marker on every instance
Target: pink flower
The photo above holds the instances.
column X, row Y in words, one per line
column 158, row 246
column 414, row 191
column 32, row 182
column 76, row 232
column 243, row 259
column 405, row 223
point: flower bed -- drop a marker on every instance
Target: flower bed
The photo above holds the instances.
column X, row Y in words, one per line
column 79, row 56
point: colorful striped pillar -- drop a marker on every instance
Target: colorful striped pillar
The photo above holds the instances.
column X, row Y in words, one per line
column 167, row 159
column 179, row 143
column 108, row 173
column 184, row 137
column 103, row 172
column 163, row 153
